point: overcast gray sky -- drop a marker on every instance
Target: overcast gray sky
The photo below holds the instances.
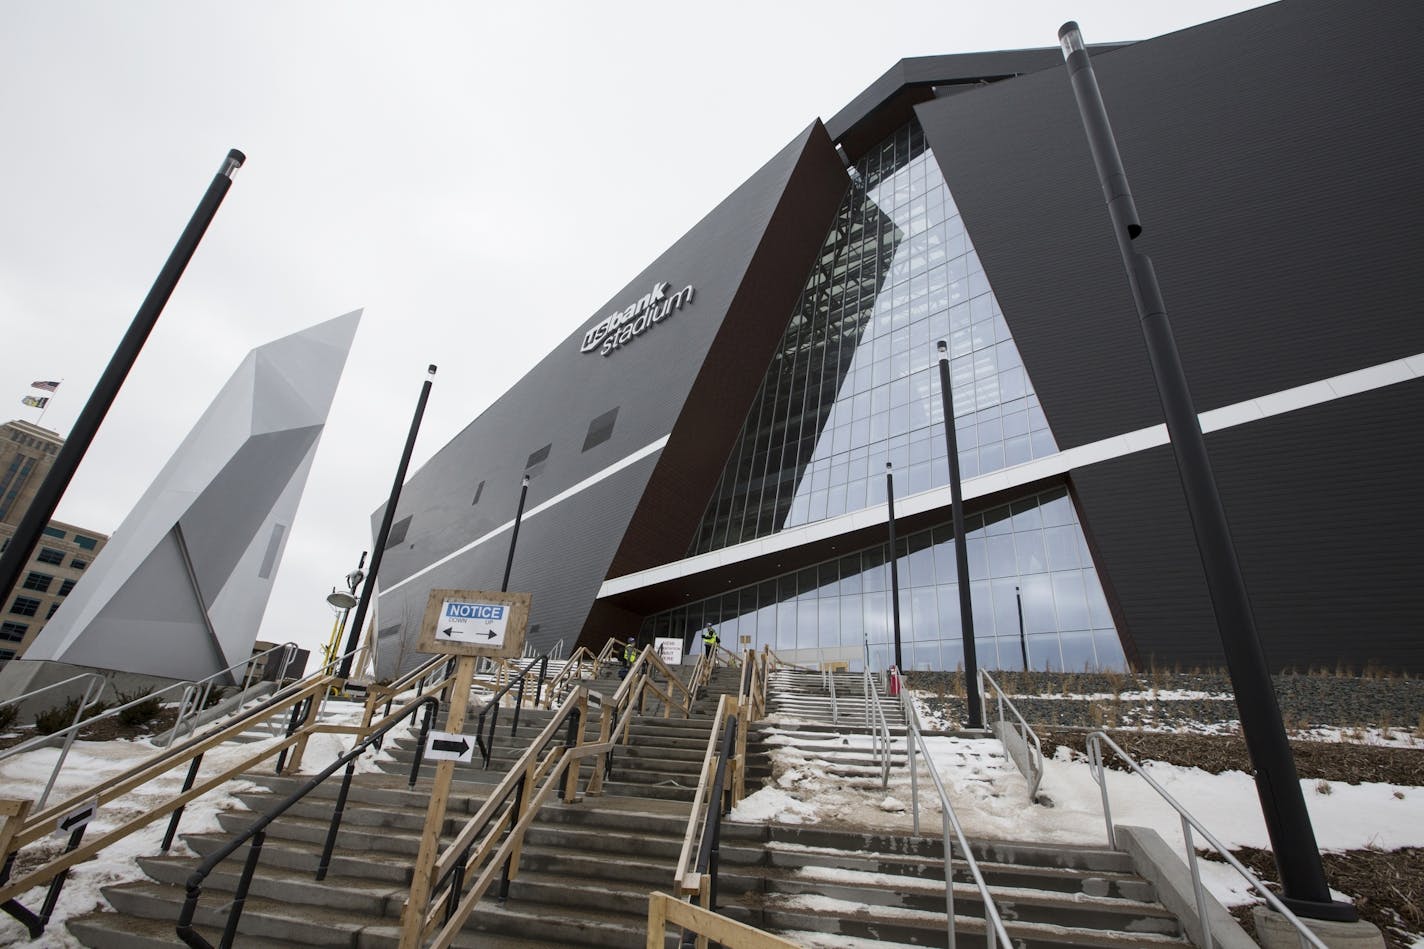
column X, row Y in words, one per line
column 479, row 177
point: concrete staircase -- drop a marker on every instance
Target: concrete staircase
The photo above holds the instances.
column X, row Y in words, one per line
column 584, row 877
column 837, row 886
column 587, row 867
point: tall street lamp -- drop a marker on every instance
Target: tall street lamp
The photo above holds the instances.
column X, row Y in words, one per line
column 343, row 604
column 514, row 537
column 61, row 472
column 961, row 552
column 1277, row 784
column 385, row 532
column 894, row 567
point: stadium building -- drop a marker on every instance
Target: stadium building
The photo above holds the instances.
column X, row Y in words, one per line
column 710, row 445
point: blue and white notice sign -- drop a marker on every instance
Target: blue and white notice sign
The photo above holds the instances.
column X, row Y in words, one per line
column 475, row 622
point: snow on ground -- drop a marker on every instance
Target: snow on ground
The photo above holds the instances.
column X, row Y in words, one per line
column 24, row 775
column 829, row 781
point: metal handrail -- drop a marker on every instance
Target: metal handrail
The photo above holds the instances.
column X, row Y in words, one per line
column 1032, row 768
column 88, row 701
column 195, row 693
column 830, row 684
column 257, row 831
column 1095, row 761
column 878, row 727
column 914, row 740
column 491, row 707
column 29, row 695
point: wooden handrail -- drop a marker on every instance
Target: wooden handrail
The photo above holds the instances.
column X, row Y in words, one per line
column 573, row 669
column 685, row 881
column 484, row 834
column 663, row 909
column 42, row 824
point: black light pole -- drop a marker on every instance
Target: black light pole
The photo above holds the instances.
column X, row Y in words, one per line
column 514, row 537
column 27, row 532
column 894, row 566
column 1277, row 784
column 961, row 552
column 1023, row 643
column 385, row 532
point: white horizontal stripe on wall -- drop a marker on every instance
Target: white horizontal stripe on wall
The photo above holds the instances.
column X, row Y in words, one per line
column 535, row 511
column 1241, row 413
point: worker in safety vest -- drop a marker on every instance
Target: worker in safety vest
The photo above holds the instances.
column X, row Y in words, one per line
column 709, row 641
column 628, row 657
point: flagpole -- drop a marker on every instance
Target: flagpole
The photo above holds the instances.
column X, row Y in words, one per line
column 51, row 489
column 45, row 407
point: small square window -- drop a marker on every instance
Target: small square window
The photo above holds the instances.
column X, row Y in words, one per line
column 88, row 543
column 13, row 632
column 53, row 608
column 35, row 580
column 25, row 606
column 77, row 564
column 600, row 429
column 539, row 456
column 398, row 531
column 65, row 587
column 54, row 532
column 50, row 555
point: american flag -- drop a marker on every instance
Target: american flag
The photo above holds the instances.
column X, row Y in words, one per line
column 47, row 386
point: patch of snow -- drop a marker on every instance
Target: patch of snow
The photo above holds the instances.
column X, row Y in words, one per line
column 773, row 805
column 88, row 763
column 989, row 797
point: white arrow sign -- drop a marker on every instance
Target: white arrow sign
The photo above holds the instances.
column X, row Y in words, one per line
column 462, row 621
column 76, row 818
column 449, row 746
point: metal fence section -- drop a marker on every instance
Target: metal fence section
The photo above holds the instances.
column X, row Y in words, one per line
column 1021, row 744
column 994, row 924
column 1096, row 741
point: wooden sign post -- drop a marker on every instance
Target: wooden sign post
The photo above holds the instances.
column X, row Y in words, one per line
column 466, row 624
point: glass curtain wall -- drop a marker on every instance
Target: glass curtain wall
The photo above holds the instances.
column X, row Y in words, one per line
column 854, row 383
column 1033, row 587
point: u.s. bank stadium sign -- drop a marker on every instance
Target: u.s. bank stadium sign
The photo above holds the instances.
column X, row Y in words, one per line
column 619, row 328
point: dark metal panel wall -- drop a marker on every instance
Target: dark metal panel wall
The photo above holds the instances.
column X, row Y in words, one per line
column 1275, row 159
column 1325, row 505
column 648, row 381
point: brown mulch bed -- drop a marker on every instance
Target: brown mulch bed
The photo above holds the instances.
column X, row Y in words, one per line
column 1332, row 761
column 1387, row 887
column 104, row 730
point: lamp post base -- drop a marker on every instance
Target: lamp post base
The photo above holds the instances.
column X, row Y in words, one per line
column 1274, row 932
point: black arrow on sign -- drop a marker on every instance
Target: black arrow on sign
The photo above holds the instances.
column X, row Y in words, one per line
column 448, row 631
column 77, row 818
column 492, row 634
column 438, row 744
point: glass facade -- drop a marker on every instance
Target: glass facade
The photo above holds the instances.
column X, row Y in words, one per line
column 1033, row 589
column 854, row 383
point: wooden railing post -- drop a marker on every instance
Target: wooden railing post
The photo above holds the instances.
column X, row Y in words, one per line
column 605, row 729
column 413, row 919
column 576, row 763
column 314, row 697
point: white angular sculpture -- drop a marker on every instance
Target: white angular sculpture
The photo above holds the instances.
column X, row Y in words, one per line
column 180, row 589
